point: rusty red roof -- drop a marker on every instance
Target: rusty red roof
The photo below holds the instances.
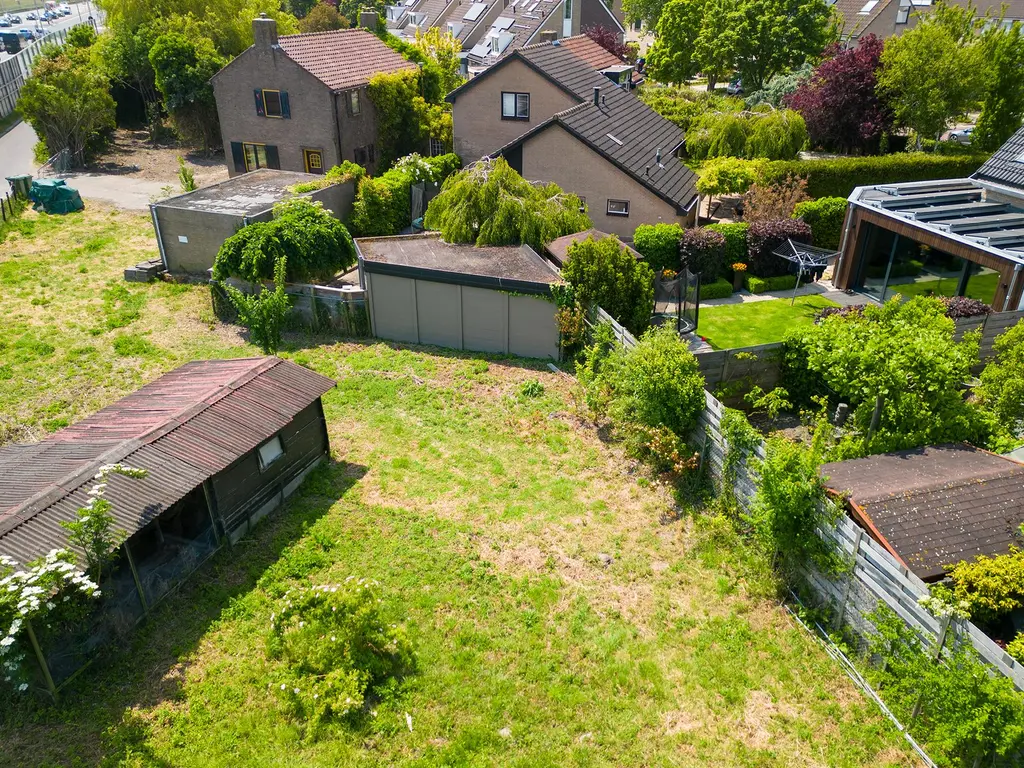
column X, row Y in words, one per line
column 183, row 428
column 342, row 58
column 594, row 54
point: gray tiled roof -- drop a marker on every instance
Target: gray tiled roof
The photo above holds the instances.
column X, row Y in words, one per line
column 1006, row 166
column 639, row 130
column 936, row 505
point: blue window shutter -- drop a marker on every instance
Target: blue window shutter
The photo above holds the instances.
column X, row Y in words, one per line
column 285, row 109
column 259, row 102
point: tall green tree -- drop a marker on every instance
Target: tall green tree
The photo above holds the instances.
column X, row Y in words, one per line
column 183, row 67
column 322, row 18
column 1002, row 105
column 647, row 11
column 671, row 58
column 442, row 48
column 773, row 36
column 713, row 50
column 67, row 101
column 934, row 72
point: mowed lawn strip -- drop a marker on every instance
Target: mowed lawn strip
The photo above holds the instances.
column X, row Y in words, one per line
column 729, row 326
column 487, row 517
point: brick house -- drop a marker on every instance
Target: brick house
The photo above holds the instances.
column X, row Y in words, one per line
column 885, row 18
column 556, row 117
column 298, row 102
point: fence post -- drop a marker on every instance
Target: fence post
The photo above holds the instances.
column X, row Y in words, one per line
column 941, row 641
column 41, row 659
column 849, row 582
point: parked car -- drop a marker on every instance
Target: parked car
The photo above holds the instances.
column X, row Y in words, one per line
column 15, row 19
column 962, row 135
column 735, row 88
column 27, row 33
column 4, row 23
column 31, row 16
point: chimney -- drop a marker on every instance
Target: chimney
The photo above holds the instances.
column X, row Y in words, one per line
column 368, row 19
column 597, row 96
column 548, row 35
column 264, row 33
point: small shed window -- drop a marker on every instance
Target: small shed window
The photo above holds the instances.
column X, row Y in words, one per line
column 270, row 451
column 353, row 103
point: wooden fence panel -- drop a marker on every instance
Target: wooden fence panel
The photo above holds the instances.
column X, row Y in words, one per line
column 874, row 576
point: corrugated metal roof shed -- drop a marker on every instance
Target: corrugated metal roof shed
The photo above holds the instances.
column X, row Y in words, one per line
column 183, row 428
column 935, row 506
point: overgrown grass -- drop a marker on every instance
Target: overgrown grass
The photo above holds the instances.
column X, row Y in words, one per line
column 757, row 322
column 487, row 512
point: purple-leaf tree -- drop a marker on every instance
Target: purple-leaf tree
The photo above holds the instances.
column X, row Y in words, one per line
column 839, row 103
column 608, row 38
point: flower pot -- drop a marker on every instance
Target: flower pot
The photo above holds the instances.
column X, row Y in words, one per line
column 737, row 281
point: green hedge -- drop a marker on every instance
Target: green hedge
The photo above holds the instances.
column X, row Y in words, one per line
column 825, row 218
column 719, row 289
column 659, row 245
column 383, row 204
column 766, row 284
column 838, row 177
column 735, row 234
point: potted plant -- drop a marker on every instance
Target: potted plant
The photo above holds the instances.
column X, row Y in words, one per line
column 739, row 270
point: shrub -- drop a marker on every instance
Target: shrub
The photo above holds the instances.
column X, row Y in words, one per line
column 776, row 201
column 763, row 237
column 837, row 177
column 703, row 251
column 383, row 204
column 961, row 306
column 961, row 712
column 1016, row 647
column 728, row 176
column 334, row 645
column 735, row 234
column 852, row 309
column 991, row 587
column 314, row 243
column 488, row 203
column 603, row 272
column 773, row 135
column 264, row 311
column 825, row 218
column 766, row 284
column 658, row 383
column 906, row 354
column 719, row 289
column 444, row 166
column 776, row 135
column 1002, row 382
column 659, row 245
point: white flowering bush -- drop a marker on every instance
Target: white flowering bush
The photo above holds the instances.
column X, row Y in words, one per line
column 333, row 646
column 416, row 167
column 53, row 592
column 34, row 593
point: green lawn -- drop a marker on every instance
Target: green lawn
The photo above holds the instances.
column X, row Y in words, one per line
column 728, row 326
column 482, row 513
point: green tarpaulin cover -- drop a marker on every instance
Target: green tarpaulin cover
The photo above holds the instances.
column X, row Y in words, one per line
column 53, row 196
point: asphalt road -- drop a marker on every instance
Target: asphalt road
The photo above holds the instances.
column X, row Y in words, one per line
column 79, row 14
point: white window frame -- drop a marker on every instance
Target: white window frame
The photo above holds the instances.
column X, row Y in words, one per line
column 624, row 204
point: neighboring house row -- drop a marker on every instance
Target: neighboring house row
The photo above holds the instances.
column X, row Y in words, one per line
column 957, row 237
column 490, row 29
column 554, row 112
column 299, row 103
column 885, row 18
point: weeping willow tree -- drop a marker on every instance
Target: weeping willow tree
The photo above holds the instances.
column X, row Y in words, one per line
column 488, row 203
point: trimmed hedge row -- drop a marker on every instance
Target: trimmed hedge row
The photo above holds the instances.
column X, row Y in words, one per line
column 719, row 289
column 766, row 284
column 735, row 234
column 839, row 176
column 659, row 245
column 825, row 217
